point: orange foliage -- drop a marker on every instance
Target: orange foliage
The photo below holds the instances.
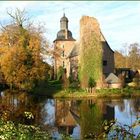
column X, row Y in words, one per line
column 20, row 60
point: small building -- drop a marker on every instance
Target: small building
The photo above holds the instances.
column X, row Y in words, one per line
column 113, row 81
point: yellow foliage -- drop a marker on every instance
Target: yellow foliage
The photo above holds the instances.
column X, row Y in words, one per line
column 20, row 59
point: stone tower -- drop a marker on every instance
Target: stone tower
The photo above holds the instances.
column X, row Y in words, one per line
column 90, row 24
column 63, row 45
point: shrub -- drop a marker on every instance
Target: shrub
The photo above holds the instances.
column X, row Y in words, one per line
column 60, row 73
column 91, row 82
column 9, row 131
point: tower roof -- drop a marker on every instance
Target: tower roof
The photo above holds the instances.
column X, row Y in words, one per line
column 64, row 33
column 61, row 34
column 64, row 18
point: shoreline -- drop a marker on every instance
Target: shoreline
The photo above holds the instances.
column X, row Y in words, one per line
column 102, row 93
column 95, row 95
column 54, row 92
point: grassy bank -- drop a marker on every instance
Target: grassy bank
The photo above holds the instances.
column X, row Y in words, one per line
column 113, row 93
column 124, row 92
column 54, row 89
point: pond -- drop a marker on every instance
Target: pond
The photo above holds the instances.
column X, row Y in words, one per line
column 76, row 117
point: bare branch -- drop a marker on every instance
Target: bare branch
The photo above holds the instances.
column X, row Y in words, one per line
column 19, row 16
column 3, row 27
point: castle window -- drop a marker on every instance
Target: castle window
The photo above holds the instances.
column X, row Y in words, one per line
column 105, row 63
column 63, row 53
column 62, row 46
column 63, row 64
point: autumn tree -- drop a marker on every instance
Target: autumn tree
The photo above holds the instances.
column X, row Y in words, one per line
column 20, row 52
column 130, row 59
column 120, row 60
column 134, row 56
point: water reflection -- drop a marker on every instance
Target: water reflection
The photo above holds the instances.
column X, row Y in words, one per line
column 13, row 105
column 88, row 114
column 77, row 118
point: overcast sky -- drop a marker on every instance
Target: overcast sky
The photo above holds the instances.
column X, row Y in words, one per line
column 119, row 21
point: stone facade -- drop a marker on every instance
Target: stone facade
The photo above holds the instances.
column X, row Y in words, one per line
column 68, row 50
column 63, row 48
column 108, row 57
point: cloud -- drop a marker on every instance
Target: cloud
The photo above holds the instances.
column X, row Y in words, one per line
column 119, row 21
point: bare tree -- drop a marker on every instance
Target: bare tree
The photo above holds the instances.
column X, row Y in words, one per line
column 19, row 16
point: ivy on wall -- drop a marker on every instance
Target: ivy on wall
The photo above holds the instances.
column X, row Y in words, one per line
column 90, row 58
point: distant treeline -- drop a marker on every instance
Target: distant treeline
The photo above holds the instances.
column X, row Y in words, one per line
column 128, row 57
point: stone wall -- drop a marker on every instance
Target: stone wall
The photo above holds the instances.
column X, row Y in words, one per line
column 90, row 24
column 108, row 56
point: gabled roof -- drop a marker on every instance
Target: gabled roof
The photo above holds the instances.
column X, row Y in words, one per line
column 103, row 39
column 74, row 51
column 112, row 79
column 60, row 39
column 69, row 120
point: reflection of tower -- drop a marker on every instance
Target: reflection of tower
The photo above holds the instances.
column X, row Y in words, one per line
column 107, row 110
column 63, row 117
column 90, row 114
column 109, row 113
column 62, row 46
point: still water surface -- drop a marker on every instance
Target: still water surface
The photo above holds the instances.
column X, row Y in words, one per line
column 70, row 116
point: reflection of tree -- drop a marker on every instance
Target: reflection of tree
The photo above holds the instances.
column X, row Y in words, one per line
column 135, row 104
column 15, row 104
column 121, row 105
column 91, row 119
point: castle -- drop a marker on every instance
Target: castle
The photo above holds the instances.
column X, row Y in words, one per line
column 67, row 49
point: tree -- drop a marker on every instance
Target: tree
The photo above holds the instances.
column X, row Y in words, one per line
column 91, row 84
column 120, row 60
column 91, row 120
column 90, row 58
column 134, row 56
column 20, row 58
column 130, row 59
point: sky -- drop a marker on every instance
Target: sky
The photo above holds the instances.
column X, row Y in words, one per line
column 119, row 20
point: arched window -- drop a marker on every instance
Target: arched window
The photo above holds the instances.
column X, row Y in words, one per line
column 63, row 64
column 63, row 53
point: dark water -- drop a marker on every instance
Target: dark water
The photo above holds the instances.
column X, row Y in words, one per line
column 74, row 117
